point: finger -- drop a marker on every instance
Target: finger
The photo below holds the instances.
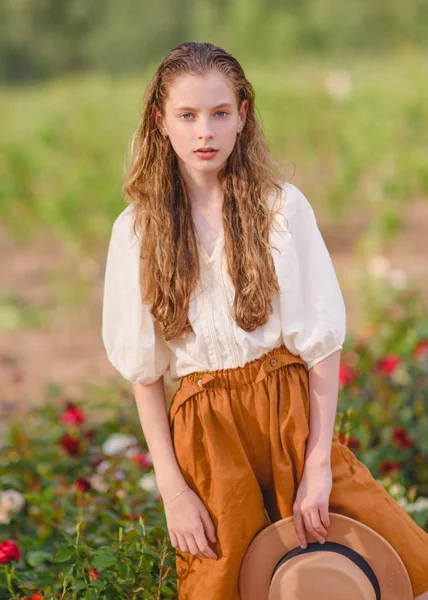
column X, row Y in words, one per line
column 173, row 538
column 191, row 544
column 202, row 544
column 308, row 523
column 325, row 516
column 299, row 528
column 182, row 544
column 209, row 526
column 320, row 531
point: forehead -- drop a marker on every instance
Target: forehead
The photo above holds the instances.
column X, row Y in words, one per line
column 200, row 91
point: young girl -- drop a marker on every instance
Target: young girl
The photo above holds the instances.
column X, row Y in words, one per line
column 217, row 272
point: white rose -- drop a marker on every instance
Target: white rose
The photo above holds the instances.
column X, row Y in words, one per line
column 11, row 501
column 117, row 443
column 148, row 483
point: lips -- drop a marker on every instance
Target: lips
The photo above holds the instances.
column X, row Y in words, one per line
column 206, row 150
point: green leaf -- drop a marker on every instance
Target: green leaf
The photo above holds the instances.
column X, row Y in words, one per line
column 104, row 557
column 29, row 585
column 36, row 557
column 98, row 585
column 63, row 555
column 124, row 569
column 79, row 584
column 167, row 590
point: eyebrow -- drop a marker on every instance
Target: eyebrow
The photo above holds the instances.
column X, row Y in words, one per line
column 214, row 107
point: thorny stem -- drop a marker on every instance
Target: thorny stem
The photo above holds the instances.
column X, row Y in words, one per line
column 9, row 575
column 163, row 556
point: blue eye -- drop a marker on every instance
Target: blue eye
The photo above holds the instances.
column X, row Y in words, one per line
column 190, row 114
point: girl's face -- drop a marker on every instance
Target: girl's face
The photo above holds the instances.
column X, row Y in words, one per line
column 202, row 112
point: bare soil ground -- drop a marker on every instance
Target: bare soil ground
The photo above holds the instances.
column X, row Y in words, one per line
column 70, row 350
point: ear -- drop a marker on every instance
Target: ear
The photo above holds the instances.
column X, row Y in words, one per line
column 159, row 121
column 243, row 112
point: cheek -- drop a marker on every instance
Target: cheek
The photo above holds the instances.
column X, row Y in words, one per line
column 181, row 137
column 228, row 138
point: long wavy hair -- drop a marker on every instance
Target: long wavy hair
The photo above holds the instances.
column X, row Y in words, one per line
column 169, row 265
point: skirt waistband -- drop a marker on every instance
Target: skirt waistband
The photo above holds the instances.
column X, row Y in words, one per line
column 234, row 377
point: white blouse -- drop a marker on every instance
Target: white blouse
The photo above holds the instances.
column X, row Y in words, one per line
column 308, row 315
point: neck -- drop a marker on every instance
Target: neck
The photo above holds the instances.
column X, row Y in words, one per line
column 203, row 188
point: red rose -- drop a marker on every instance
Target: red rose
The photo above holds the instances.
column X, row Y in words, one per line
column 73, row 415
column 130, row 517
column 83, row 484
column 94, row 574
column 9, row 551
column 420, row 351
column 70, row 445
column 400, row 438
column 346, row 375
column 351, row 442
column 388, row 364
column 389, row 466
column 142, row 459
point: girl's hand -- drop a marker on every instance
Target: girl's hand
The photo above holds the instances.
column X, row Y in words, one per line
column 310, row 507
column 189, row 523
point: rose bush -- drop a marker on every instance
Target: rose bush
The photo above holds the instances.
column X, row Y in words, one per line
column 80, row 512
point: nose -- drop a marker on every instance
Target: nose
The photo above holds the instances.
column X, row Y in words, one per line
column 205, row 128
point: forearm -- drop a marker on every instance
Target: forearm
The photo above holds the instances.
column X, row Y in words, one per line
column 151, row 406
column 323, row 390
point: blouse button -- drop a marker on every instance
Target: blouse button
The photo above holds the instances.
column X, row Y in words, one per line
column 273, row 362
column 200, row 382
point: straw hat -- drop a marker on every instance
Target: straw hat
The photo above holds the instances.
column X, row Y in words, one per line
column 354, row 562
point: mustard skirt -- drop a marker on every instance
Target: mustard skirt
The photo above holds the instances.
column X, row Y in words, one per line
column 239, row 436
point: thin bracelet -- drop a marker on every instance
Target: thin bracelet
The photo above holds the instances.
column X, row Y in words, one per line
column 183, row 490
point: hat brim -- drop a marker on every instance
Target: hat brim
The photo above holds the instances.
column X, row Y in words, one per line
column 273, row 542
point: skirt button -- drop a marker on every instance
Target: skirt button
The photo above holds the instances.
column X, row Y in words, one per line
column 273, row 362
column 200, row 382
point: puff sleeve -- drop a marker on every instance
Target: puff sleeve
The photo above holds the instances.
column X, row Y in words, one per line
column 313, row 315
column 132, row 338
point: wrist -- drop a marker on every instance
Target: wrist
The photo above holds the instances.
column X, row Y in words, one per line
column 317, row 461
column 169, row 486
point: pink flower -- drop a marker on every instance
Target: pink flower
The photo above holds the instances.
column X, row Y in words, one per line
column 9, row 551
column 93, row 574
column 73, row 415
column 401, row 438
column 388, row 364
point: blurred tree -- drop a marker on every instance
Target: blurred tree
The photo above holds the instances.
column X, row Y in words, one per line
column 45, row 37
column 40, row 39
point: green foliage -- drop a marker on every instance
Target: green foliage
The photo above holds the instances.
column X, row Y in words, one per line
column 44, row 39
column 357, row 136
column 383, row 404
column 91, row 524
